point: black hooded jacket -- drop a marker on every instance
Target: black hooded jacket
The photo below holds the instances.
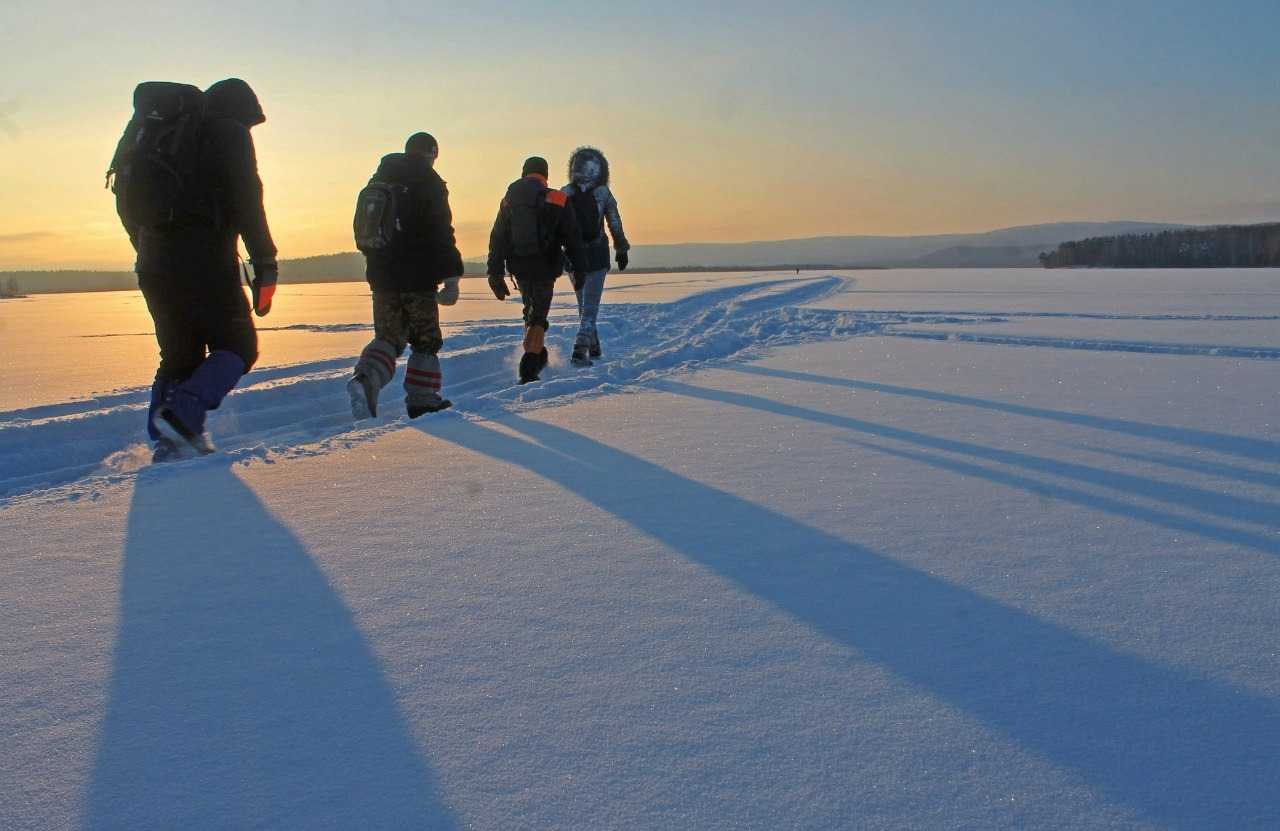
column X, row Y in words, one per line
column 228, row 169
column 562, row 234
column 424, row 252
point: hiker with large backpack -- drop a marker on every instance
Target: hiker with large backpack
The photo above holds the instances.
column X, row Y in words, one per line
column 594, row 206
column 185, row 177
column 530, row 236
column 404, row 228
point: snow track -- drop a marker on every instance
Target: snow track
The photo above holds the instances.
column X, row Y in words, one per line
column 302, row 409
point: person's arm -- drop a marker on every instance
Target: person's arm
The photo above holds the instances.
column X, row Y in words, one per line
column 242, row 201
column 614, row 220
column 436, row 235
column 497, row 266
column 242, row 189
column 571, row 238
column 446, row 238
column 498, row 240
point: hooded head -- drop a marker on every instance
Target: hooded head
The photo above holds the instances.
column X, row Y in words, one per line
column 588, row 168
column 234, row 99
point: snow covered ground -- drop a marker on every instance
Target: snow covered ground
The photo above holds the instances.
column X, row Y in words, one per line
column 943, row 549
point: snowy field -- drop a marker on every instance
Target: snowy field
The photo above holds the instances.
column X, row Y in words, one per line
column 867, row 550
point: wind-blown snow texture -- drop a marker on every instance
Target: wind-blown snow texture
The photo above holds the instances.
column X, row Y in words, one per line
column 784, row 559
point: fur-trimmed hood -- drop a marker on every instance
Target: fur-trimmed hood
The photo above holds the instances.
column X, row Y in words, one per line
column 583, row 154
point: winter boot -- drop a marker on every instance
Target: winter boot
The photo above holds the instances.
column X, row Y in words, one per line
column 544, row 358
column 181, row 417
column 161, row 389
column 363, row 397
column 186, row 442
column 164, row 451
column 594, row 351
column 579, row 356
column 530, row 366
column 416, row 410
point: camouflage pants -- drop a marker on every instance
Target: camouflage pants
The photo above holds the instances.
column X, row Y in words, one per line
column 407, row 317
column 403, row 318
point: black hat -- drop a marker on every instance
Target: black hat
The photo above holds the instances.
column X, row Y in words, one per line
column 535, row 164
column 422, row 143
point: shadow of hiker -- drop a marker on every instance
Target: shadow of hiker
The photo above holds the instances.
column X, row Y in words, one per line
column 1261, row 512
column 1187, row 751
column 243, row 694
column 1244, row 446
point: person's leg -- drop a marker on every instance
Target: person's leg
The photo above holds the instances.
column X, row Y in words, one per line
column 423, row 377
column 587, row 341
column 377, row 363
column 536, row 295
column 224, row 325
column 177, row 335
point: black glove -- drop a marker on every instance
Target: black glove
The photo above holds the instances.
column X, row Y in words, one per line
column 498, row 286
column 622, row 259
column 577, row 278
column 263, row 285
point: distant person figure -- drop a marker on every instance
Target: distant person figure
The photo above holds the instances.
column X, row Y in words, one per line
column 186, row 184
column 404, row 227
column 530, row 236
column 594, row 206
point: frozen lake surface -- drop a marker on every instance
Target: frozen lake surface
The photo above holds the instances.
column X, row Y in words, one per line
column 884, row 550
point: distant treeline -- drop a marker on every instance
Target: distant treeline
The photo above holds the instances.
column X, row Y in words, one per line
column 1237, row 246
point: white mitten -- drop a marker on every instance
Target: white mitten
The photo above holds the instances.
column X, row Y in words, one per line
column 448, row 293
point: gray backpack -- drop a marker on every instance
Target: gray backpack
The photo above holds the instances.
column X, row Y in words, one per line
column 377, row 219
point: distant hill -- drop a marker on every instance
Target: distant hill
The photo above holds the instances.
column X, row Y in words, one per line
column 1007, row 247
column 1004, row 248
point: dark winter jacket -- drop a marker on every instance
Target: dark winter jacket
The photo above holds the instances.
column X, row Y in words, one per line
column 590, row 179
column 424, row 252
column 229, row 179
column 555, row 218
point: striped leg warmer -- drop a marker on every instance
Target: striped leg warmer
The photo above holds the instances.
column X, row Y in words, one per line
column 378, row 363
column 422, row 380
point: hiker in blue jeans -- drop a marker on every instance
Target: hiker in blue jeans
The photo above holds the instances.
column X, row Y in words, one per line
column 595, row 206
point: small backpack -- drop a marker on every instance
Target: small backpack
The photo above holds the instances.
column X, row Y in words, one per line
column 377, row 219
column 587, row 209
column 154, row 173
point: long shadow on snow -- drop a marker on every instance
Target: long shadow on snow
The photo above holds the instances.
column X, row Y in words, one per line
column 1254, row 477
column 1187, row 751
column 243, row 694
column 1253, row 449
column 1193, row 498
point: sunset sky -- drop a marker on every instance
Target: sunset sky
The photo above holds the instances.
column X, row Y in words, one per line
column 724, row 122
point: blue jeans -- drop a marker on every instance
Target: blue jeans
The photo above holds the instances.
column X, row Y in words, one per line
column 589, row 292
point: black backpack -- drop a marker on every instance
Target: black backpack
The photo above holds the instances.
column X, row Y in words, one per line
column 533, row 218
column 587, row 210
column 377, row 219
column 155, row 170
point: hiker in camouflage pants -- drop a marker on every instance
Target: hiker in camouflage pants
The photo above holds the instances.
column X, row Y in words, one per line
column 406, row 277
column 400, row 318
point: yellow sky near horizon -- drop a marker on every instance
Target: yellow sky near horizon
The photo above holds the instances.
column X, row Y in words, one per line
column 755, row 122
